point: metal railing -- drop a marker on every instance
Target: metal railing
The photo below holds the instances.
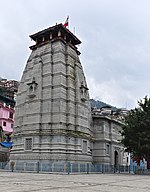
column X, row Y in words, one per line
column 68, row 168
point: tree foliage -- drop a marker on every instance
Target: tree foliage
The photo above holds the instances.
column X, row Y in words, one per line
column 136, row 130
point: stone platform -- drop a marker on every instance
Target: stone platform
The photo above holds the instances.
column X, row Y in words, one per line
column 25, row 182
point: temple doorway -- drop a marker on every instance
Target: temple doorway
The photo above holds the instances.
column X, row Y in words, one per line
column 116, row 160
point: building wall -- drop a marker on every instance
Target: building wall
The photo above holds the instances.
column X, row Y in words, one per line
column 6, row 120
column 107, row 140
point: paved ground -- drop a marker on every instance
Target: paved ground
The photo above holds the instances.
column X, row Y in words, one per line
column 31, row 182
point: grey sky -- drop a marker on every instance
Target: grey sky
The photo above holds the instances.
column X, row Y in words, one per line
column 115, row 47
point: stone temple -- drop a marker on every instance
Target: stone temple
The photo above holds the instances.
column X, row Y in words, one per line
column 53, row 119
column 52, row 111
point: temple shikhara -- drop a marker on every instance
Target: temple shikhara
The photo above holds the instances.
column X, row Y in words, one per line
column 53, row 117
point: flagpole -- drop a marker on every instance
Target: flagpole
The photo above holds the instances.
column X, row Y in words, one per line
column 68, row 21
column 74, row 30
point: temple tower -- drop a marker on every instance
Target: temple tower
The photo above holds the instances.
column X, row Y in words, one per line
column 52, row 118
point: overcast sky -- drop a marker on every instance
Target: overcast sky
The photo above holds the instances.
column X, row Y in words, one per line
column 115, row 49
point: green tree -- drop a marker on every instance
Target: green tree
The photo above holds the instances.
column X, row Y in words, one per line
column 136, row 130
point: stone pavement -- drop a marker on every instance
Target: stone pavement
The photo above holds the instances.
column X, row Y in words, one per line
column 33, row 182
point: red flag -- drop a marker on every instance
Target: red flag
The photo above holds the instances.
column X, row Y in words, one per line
column 66, row 24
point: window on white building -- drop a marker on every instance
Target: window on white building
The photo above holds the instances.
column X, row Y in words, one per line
column 28, row 144
column 4, row 123
column 11, row 115
column 84, row 146
column 107, row 149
